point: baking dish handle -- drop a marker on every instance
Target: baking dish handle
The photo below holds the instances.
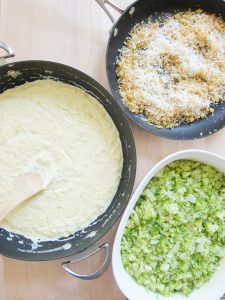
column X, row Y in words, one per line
column 103, row 3
column 85, row 254
column 8, row 50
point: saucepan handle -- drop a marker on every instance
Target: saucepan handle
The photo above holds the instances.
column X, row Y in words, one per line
column 85, row 254
column 8, row 50
column 103, row 3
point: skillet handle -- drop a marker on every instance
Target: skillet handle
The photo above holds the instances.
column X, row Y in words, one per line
column 103, row 3
column 85, row 254
column 8, row 50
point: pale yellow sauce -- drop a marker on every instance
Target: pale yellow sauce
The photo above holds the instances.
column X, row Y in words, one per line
column 67, row 134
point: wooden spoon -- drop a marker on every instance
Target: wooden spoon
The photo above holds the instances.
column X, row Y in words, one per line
column 28, row 185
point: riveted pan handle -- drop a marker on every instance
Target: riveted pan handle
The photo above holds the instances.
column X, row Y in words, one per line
column 85, row 254
column 103, row 3
column 8, row 50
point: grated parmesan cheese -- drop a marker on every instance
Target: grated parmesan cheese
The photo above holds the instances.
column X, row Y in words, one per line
column 172, row 70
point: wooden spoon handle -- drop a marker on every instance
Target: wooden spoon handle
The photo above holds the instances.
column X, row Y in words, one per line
column 28, row 185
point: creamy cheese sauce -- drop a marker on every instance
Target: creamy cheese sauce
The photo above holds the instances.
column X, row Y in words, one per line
column 67, row 135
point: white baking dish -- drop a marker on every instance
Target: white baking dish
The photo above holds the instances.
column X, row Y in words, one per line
column 213, row 289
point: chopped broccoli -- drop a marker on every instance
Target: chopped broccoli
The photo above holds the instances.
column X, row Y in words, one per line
column 175, row 236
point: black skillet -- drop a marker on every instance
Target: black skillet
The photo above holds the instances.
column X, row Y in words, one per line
column 82, row 243
column 135, row 13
